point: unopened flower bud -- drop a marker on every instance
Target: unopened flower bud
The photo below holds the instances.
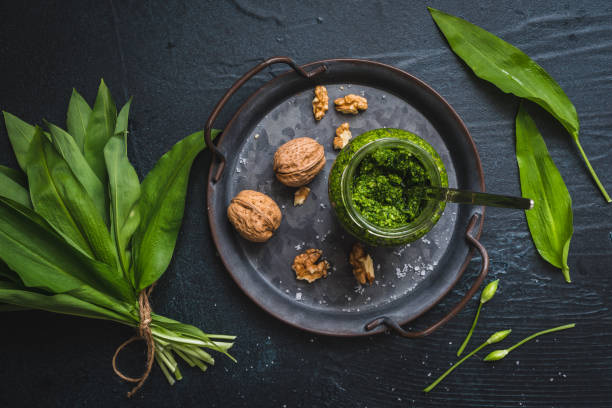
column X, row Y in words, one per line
column 498, row 336
column 496, row 355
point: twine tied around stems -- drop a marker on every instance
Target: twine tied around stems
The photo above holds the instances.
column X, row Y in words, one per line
column 144, row 333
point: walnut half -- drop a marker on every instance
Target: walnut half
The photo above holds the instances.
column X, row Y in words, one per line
column 320, row 103
column 307, row 269
column 300, row 195
column 343, row 135
column 351, row 103
column 363, row 266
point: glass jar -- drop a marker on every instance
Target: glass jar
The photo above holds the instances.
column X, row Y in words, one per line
column 341, row 179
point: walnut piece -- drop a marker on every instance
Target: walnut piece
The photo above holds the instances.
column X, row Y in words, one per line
column 351, row 103
column 343, row 135
column 320, row 103
column 363, row 266
column 254, row 215
column 300, row 195
column 298, row 161
column 307, row 269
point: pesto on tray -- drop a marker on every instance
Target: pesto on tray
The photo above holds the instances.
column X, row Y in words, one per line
column 381, row 187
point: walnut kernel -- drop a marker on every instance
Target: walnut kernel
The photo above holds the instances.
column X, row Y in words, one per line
column 298, row 161
column 363, row 266
column 320, row 103
column 254, row 215
column 351, row 103
column 343, row 135
column 300, row 195
column 307, row 269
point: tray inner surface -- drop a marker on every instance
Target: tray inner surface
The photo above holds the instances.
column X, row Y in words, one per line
column 401, row 272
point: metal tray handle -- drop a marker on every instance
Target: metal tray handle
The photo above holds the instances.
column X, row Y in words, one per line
column 213, row 116
column 392, row 324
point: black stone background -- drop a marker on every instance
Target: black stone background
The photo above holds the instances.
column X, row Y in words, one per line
column 177, row 58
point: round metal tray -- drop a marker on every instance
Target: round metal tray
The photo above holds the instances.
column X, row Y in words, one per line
column 409, row 279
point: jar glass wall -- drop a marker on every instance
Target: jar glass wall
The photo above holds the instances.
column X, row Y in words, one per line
column 343, row 173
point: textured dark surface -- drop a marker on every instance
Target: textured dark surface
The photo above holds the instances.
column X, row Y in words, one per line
column 177, row 60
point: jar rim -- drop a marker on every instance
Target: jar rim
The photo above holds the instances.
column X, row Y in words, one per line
column 426, row 216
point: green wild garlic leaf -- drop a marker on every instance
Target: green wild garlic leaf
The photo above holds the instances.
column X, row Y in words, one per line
column 17, row 176
column 124, row 188
column 7, row 274
column 12, row 186
column 58, row 197
column 512, row 71
column 162, row 203
column 77, row 118
column 20, row 135
column 68, row 149
column 100, row 128
column 42, row 259
column 19, row 296
column 550, row 220
column 121, row 126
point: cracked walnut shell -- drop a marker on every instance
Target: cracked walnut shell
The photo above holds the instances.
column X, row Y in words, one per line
column 363, row 266
column 254, row 215
column 351, row 103
column 298, row 161
column 343, row 135
column 307, row 269
column 320, row 103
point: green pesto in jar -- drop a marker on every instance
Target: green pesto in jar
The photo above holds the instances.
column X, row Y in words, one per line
column 381, row 187
column 385, row 215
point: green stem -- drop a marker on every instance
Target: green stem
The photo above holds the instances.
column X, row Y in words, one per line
column 197, row 354
column 184, row 357
column 450, row 370
column 566, row 274
column 221, row 336
column 202, row 355
column 216, row 345
column 595, row 178
column 176, row 339
column 200, row 365
column 177, row 374
column 168, row 354
column 221, row 347
column 194, row 357
column 220, row 344
column 533, row 336
column 160, row 341
column 469, row 335
column 165, row 359
column 161, row 365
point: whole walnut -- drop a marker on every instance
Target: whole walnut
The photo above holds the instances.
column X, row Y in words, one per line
column 298, row 161
column 254, row 215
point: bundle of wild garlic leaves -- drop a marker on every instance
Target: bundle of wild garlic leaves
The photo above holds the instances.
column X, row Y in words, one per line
column 80, row 235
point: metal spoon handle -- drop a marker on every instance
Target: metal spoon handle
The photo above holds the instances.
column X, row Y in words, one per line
column 453, row 195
